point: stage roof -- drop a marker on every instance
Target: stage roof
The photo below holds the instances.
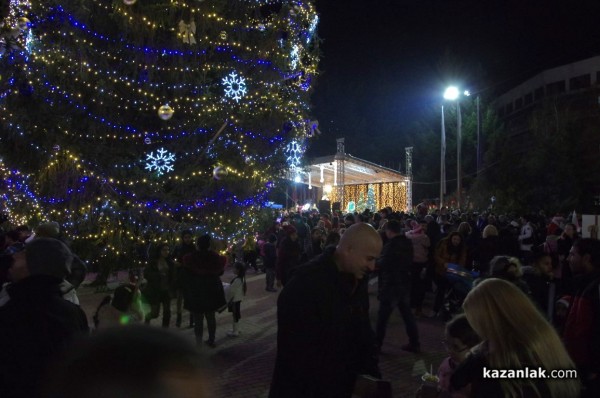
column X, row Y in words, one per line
column 356, row 171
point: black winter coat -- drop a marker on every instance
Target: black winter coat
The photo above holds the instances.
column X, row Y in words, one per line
column 288, row 258
column 394, row 267
column 202, row 286
column 324, row 337
column 154, row 291
column 178, row 254
column 36, row 325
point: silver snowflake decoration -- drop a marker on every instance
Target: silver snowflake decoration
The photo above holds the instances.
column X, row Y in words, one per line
column 162, row 162
column 235, row 86
column 294, row 152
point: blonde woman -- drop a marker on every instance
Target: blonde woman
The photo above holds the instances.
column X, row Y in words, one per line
column 515, row 336
column 487, row 248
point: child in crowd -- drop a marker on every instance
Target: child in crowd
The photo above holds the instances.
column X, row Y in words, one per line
column 235, row 295
column 459, row 338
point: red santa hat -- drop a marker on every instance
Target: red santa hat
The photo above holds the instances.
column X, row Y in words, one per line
column 289, row 229
column 416, row 227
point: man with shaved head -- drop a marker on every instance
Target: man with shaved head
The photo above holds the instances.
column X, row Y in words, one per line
column 324, row 337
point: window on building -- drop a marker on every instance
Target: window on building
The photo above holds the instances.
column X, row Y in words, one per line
column 528, row 98
column 538, row 94
column 519, row 103
column 579, row 82
column 556, row 88
column 509, row 108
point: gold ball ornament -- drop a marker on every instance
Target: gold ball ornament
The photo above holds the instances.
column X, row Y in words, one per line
column 129, row 2
column 223, row 35
column 24, row 23
column 165, row 112
column 219, row 172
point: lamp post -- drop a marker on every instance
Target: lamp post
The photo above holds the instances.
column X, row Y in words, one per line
column 453, row 94
column 443, row 163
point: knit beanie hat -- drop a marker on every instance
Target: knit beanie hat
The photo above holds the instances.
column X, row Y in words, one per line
column 48, row 256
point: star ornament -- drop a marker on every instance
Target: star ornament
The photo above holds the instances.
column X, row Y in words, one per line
column 235, row 86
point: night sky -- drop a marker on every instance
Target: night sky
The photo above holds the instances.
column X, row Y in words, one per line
column 385, row 63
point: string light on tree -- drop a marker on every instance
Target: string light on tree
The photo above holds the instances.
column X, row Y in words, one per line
column 295, row 56
column 135, row 61
column 162, row 162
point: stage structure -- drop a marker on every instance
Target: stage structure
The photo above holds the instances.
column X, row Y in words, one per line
column 355, row 184
column 409, row 175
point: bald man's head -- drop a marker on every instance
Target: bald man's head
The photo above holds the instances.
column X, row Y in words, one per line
column 359, row 247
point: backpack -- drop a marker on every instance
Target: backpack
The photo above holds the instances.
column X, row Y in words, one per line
column 123, row 297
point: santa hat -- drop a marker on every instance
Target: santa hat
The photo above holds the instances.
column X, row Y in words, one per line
column 289, row 229
column 565, row 300
column 415, row 227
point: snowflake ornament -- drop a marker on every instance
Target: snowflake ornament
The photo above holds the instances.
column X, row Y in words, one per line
column 162, row 162
column 235, row 86
column 294, row 152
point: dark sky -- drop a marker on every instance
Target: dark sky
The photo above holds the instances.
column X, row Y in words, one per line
column 385, row 63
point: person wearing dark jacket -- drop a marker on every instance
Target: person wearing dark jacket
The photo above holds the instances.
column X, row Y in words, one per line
column 324, row 337
column 488, row 248
column 289, row 252
column 37, row 324
column 540, row 279
column 394, row 266
column 181, row 250
column 78, row 270
column 269, row 260
column 160, row 287
column 203, row 290
column 582, row 328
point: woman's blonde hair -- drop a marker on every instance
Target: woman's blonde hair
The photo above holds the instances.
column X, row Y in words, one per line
column 489, row 230
column 517, row 336
column 464, row 229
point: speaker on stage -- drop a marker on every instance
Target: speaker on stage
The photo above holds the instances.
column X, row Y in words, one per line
column 337, row 206
column 324, row 206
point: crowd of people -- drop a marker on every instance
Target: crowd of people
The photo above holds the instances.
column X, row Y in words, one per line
column 529, row 286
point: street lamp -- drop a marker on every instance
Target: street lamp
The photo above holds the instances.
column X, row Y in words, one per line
column 453, row 94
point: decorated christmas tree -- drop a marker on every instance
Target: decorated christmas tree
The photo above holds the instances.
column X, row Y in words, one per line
column 128, row 121
column 371, row 202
